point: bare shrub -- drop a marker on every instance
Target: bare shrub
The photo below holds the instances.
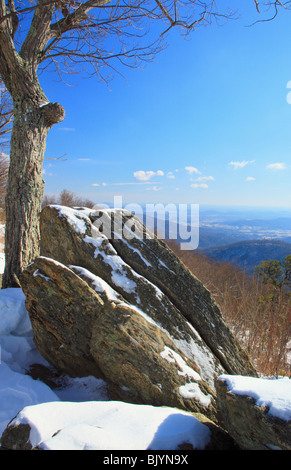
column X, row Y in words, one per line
column 258, row 316
column 67, row 198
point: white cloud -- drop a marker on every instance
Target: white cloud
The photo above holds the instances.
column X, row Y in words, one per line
column 126, row 183
column 84, row 159
column 44, row 172
column 142, row 175
column 276, row 166
column 192, row 169
column 202, row 185
column 250, row 178
column 154, row 188
column 132, row 182
column 237, row 165
column 205, row 178
column 170, row 175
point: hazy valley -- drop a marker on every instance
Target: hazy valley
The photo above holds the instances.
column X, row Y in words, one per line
column 243, row 236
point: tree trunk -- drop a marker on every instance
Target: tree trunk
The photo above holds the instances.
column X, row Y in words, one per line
column 25, row 184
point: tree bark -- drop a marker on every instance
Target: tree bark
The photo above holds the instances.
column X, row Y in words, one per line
column 25, row 185
column 33, row 117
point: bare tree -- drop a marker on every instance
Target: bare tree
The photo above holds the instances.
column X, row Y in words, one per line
column 94, row 36
column 67, row 198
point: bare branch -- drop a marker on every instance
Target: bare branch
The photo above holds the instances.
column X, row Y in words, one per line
column 94, row 33
column 257, row 5
column 9, row 59
column 74, row 19
column 60, row 159
column 38, row 34
column 270, row 6
column 14, row 17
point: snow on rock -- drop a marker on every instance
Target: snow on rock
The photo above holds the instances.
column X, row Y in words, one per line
column 185, row 370
column 192, row 390
column 99, row 284
column 111, row 426
column 77, row 218
column 119, row 267
column 108, row 294
column 272, row 393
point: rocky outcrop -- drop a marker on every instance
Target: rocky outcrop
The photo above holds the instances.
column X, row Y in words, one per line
column 250, row 425
column 79, row 333
column 125, row 309
column 115, row 246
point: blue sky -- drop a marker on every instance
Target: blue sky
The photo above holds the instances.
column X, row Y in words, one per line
column 208, row 122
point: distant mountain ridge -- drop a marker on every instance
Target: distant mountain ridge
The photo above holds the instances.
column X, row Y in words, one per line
column 280, row 223
column 249, row 253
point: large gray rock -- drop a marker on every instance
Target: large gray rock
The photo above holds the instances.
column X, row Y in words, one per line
column 159, row 311
column 148, row 275
column 153, row 259
column 251, row 425
column 84, row 333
